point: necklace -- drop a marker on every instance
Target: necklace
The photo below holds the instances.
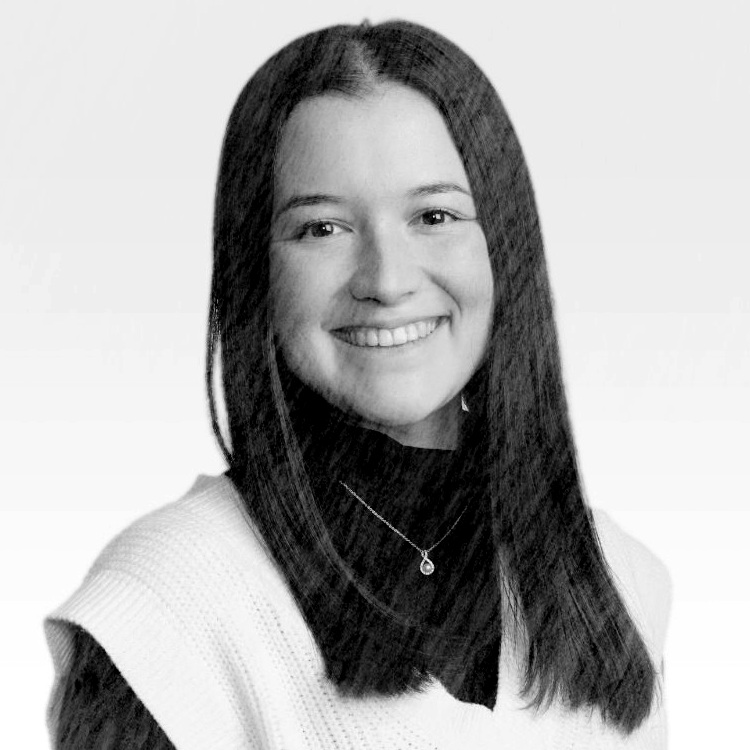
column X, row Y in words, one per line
column 427, row 567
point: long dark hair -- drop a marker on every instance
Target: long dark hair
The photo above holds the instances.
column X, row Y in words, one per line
column 583, row 647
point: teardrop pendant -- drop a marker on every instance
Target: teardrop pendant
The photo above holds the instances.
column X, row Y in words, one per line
column 426, row 566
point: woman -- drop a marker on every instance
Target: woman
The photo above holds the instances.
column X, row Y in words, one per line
column 400, row 554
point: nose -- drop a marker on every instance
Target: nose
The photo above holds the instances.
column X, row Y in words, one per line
column 386, row 270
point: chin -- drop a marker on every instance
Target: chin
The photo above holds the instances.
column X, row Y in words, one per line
column 389, row 412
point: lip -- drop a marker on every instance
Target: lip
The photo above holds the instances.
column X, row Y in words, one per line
column 390, row 324
column 341, row 335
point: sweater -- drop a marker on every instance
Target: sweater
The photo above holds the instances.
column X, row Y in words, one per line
column 230, row 662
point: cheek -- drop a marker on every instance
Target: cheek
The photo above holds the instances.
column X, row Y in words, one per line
column 475, row 295
column 297, row 299
column 475, row 285
column 285, row 287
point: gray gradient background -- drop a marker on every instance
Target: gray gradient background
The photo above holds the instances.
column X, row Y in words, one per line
column 634, row 119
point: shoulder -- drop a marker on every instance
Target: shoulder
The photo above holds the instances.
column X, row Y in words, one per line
column 642, row 578
column 189, row 540
column 211, row 506
column 167, row 599
column 185, row 555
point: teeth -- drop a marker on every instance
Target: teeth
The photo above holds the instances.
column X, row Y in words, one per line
column 400, row 336
column 385, row 337
column 390, row 336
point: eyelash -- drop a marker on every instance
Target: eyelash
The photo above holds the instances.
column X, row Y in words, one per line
column 451, row 214
column 302, row 231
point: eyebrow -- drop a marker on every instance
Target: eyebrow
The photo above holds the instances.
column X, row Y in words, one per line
column 438, row 187
column 315, row 199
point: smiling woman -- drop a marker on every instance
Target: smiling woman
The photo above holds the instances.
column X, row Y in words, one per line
column 400, row 554
column 387, row 312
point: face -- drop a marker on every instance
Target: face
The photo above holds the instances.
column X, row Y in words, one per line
column 381, row 285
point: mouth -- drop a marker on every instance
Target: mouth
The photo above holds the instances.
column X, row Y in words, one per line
column 372, row 338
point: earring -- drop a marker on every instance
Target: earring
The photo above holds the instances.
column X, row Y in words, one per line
column 464, row 407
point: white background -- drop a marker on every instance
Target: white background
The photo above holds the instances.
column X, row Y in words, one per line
column 634, row 119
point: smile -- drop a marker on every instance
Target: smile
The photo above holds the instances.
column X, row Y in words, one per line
column 388, row 337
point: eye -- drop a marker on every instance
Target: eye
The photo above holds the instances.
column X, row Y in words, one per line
column 317, row 230
column 437, row 216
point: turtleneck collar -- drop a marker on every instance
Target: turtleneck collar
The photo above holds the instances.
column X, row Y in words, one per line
column 385, row 473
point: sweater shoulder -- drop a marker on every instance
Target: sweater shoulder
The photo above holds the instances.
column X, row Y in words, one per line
column 642, row 578
column 172, row 599
column 206, row 533
column 212, row 504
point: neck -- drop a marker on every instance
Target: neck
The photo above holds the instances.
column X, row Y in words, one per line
column 440, row 431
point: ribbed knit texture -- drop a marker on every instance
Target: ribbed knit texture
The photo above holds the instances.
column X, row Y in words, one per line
column 200, row 622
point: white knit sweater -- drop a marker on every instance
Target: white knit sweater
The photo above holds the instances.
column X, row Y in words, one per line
column 199, row 620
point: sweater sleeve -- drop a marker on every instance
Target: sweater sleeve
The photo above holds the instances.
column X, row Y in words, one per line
column 99, row 709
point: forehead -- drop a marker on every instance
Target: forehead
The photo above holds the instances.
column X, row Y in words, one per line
column 386, row 141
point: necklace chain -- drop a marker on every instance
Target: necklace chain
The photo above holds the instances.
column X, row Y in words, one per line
column 427, row 566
